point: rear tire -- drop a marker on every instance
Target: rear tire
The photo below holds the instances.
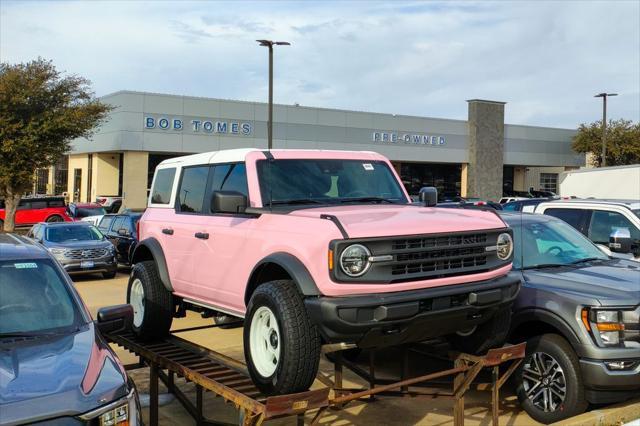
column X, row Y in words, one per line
column 490, row 334
column 55, row 218
column 560, row 379
column 152, row 303
column 281, row 345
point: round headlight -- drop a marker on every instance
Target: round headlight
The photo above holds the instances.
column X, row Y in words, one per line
column 354, row 260
column 504, row 246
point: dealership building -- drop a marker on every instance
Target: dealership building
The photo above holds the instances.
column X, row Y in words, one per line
column 480, row 157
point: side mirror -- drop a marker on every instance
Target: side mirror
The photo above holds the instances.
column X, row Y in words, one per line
column 429, row 196
column 620, row 240
column 114, row 319
column 123, row 232
column 228, row 202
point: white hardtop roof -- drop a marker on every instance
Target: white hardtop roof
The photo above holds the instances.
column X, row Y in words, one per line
column 235, row 155
column 632, row 204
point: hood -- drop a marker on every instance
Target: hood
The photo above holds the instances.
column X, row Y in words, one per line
column 85, row 244
column 364, row 221
column 611, row 282
column 61, row 375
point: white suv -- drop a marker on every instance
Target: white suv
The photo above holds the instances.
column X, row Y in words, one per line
column 612, row 224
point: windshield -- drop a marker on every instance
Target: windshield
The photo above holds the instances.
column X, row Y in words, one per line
column 34, row 298
column 61, row 234
column 327, row 182
column 89, row 211
column 550, row 243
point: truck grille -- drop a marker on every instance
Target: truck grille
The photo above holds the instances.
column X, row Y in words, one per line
column 85, row 253
column 421, row 257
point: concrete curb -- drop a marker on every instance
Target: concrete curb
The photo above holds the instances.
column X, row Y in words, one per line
column 618, row 414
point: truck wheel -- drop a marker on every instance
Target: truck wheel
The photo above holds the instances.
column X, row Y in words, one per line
column 152, row 303
column 281, row 345
column 548, row 383
column 226, row 322
column 490, row 334
column 55, row 218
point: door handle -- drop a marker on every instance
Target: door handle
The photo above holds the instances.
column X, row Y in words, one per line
column 202, row 235
column 167, row 231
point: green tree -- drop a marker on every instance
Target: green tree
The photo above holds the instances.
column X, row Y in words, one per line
column 623, row 142
column 41, row 111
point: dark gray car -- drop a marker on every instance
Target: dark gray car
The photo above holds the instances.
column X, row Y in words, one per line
column 579, row 311
column 79, row 246
column 55, row 366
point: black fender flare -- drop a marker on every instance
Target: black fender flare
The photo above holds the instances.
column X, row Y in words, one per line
column 154, row 247
column 554, row 320
column 293, row 266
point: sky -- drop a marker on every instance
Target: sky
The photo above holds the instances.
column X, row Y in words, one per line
column 546, row 59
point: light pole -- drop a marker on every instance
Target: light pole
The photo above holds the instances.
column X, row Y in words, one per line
column 270, row 44
column 604, row 95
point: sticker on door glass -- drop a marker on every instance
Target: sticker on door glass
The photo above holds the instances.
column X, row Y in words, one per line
column 27, row 265
column 367, row 166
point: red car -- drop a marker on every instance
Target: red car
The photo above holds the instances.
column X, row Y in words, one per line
column 40, row 209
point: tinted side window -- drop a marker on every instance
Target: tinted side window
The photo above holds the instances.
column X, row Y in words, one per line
column 24, row 205
column 603, row 223
column 56, row 203
column 192, row 188
column 105, row 223
column 161, row 191
column 117, row 224
column 38, row 204
column 572, row 216
column 510, row 207
column 236, row 179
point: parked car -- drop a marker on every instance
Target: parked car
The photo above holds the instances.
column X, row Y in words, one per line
column 121, row 230
column 87, row 212
column 110, row 203
column 525, row 205
column 579, row 312
column 311, row 247
column 37, row 209
column 79, row 247
column 613, row 224
column 55, row 366
column 505, row 200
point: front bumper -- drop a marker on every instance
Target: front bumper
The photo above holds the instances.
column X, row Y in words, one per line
column 606, row 386
column 107, row 264
column 388, row 319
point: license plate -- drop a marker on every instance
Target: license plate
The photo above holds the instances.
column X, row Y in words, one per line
column 86, row 264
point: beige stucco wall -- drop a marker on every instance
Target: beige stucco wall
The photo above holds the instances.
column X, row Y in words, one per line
column 463, row 179
column 105, row 174
column 78, row 161
column 134, row 179
column 525, row 178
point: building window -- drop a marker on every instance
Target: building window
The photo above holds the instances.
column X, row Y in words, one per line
column 507, row 180
column 42, row 179
column 61, row 174
column 549, row 182
column 444, row 177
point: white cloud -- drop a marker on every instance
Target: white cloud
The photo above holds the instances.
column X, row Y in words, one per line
column 546, row 59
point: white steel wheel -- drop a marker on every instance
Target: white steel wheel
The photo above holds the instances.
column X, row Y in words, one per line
column 264, row 341
column 136, row 300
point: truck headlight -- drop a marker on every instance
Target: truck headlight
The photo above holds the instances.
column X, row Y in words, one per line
column 504, row 246
column 606, row 326
column 123, row 412
column 354, row 260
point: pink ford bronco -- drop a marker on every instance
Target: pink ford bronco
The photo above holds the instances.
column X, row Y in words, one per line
column 314, row 247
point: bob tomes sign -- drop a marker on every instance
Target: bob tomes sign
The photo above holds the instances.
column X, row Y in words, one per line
column 197, row 125
column 407, row 138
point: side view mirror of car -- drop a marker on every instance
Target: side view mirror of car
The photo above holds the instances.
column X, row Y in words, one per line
column 123, row 232
column 114, row 319
column 429, row 196
column 228, row 202
column 620, row 240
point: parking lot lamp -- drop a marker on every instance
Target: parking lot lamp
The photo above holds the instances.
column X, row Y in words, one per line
column 604, row 95
column 270, row 44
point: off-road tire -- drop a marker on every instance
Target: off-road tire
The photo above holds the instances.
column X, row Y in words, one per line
column 226, row 322
column 299, row 339
column 490, row 334
column 575, row 401
column 158, row 302
column 109, row 275
column 54, row 218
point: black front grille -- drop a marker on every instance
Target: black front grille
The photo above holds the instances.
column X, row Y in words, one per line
column 445, row 241
column 439, row 260
column 93, row 253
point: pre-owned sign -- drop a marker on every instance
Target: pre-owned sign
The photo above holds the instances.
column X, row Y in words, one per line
column 408, row 138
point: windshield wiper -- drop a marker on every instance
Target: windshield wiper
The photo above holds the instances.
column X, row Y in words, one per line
column 366, row 199
column 588, row 259
column 545, row 265
column 298, row 201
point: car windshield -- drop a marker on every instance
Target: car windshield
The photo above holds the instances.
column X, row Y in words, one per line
column 89, row 211
column 34, row 299
column 327, row 182
column 61, row 234
column 550, row 243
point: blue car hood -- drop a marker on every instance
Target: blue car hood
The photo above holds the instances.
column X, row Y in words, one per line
column 612, row 282
column 54, row 376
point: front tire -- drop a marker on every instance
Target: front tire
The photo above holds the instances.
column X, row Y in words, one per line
column 548, row 383
column 152, row 303
column 281, row 345
column 490, row 334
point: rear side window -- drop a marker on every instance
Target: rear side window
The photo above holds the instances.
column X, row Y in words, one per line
column 161, row 192
column 56, row 203
column 38, row 204
column 573, row 217
column 118, row 223
column 105, row 223
column 192, row 188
